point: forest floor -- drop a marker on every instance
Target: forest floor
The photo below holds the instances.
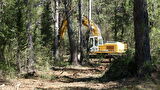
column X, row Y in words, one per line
column 76, row 78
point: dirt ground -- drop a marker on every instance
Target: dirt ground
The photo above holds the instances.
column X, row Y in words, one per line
column 74, row 78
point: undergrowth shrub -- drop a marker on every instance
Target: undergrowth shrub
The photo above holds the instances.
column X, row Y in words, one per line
column 61, row 63
column 121, row 67
column 125, row 66
column 48, row 77
column 7, row 71
column 156, row 58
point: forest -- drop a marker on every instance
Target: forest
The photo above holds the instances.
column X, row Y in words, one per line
column 79, row 44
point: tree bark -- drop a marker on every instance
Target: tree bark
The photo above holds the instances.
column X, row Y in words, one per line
column 89, row 17
column 80, row 32
column 115, row 22
column 141, row 32
column 18, row 55
column 72, row 40
column 30, row 60
column 19, row 25
column 2, row 57
column 90, row 9
column 56, row 39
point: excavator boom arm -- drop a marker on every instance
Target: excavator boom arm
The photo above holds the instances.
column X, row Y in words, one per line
column 85, row 21
column 91, row 26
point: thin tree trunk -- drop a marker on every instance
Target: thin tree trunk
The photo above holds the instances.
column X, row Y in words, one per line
column 107, row 38
column 89, row 17
column 72, row 40
column 2, row 58
column 56, row 43
column 123, row 23
column 90, row 9
column 115, row 22
column 30, row 61
column 141, row 31
column 18, row 60
column 122, row 32
column 1, row 10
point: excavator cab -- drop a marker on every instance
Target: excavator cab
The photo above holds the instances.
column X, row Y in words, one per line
column 94, row 42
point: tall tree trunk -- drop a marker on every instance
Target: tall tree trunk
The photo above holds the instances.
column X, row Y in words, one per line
column 2, row 58
column 19, row 25
column 141, row 31
column 80, row 32
column 30, row 60
column 56, row 39
column 72, row 40
column 89, row 17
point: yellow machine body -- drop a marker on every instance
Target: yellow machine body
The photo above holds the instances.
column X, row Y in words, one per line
column 112, row 48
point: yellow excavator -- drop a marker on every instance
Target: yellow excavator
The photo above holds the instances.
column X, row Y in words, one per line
column 97, row 46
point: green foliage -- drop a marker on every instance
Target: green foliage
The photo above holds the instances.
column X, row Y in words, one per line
column 125, row 66
column 115, row 19
column 8, row 71
column 147, row 69
column 48, row 77
column 121, row 67
column 43, row 58
column 53, row 77
column 13, row 34
column 46, row 22
column 156, row 59
column 62, row 63
column 154, row 21
column 45, row 76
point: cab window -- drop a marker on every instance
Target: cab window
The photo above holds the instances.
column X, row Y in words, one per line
column 91, row 42
column 96, row 41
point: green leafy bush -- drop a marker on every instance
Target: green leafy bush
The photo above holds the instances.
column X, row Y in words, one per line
column 61, row 63
column 121, row 67
column 156, row 59
column 7, row 71
column 48, row 77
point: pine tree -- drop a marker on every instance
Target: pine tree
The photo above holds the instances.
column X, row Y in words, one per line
column 141, row 31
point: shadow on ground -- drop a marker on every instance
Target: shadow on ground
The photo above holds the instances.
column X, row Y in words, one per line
column 65, row 88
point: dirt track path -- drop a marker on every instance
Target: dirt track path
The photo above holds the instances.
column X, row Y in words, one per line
column 68, row 78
